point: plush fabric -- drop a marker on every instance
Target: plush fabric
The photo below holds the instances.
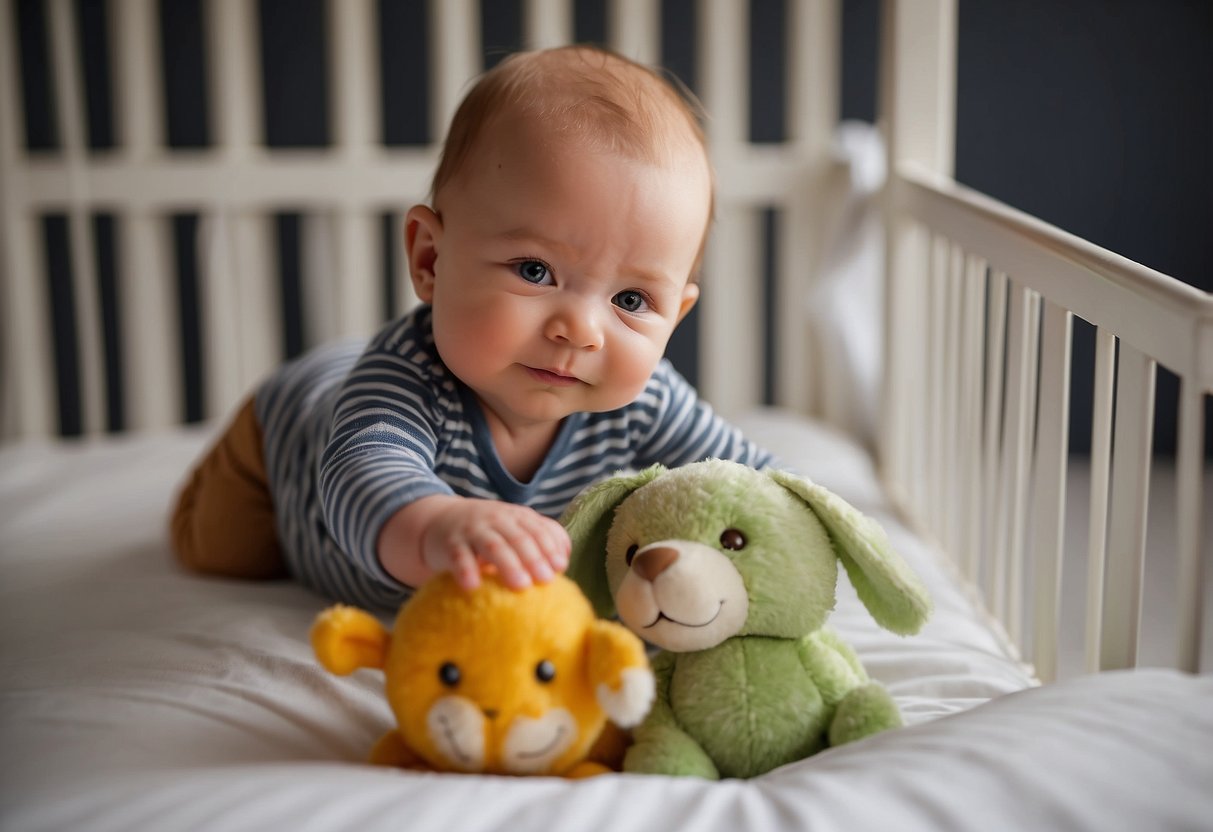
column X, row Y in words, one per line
column 733, row 572
column 493, row 680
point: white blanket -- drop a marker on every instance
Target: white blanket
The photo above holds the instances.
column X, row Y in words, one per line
column 134, row 696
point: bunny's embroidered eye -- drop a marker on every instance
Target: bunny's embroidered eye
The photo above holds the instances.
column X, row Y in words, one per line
column 545, row 671
column 732, row 540
column 631, row 553
column 449, row 674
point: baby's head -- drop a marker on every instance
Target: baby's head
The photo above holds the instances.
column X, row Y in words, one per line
column 589, row 97
column 569, row 214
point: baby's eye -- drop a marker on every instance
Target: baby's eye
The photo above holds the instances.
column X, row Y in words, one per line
column 534, row 271
column 630, row 300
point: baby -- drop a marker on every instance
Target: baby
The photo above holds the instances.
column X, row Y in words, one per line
column 570, row 210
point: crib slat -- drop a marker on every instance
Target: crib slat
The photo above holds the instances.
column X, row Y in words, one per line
column 358, row 260
column 954, row 325
column 1101, row 456
column 972, row 355
column 259, row 301
column 151, row 353
column 70, row 111
column 355, row 81
column 548, row 23
column 241, row 328
column 906, row 252
column 724, row 75
column 934, row 374
column 1134, row 427
column 30, row 409
column 728, row 377
column 635, row 29
column 232, row 28
column 27, row 408
column 139, row 96
column 994, row 413
column 1049, row 486
column 1008, row 561
column 453, row 25
column 1190, row 526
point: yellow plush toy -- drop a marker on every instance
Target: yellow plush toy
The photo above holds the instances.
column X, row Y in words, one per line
column 494, row 680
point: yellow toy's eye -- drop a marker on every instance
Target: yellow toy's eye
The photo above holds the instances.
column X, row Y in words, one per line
column 631, row 553
column 449, row 674
column 545, row 671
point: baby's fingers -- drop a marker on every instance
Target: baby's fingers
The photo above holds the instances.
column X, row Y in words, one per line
column 465, row 566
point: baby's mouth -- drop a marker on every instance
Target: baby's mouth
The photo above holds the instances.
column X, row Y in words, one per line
column 551, row 378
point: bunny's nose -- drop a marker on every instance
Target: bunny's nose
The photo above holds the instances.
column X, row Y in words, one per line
column 652, row 562
column 491, row 713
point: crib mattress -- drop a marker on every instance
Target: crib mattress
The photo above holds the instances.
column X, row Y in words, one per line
column 135, row 696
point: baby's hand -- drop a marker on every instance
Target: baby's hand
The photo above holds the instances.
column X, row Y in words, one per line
column 462, row 535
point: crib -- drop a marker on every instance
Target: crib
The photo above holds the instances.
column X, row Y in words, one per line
column 137, row 696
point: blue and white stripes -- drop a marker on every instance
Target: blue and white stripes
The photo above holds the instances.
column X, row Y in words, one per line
column 352, row 434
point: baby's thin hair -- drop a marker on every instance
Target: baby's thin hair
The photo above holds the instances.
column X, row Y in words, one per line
column 593, row 95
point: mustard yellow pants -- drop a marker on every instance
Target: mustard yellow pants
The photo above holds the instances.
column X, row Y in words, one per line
column 224, row 520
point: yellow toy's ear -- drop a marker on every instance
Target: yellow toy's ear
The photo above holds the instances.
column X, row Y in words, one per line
column 619, row 672
column 347, row 638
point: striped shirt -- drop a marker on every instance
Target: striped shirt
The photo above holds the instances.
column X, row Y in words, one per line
column 353, row 432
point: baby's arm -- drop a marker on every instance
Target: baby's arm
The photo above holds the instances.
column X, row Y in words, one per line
column 448, row 533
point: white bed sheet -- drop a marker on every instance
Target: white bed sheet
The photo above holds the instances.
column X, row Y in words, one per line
column 134, row 696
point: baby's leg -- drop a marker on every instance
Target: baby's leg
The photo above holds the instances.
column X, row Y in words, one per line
column 224, row 520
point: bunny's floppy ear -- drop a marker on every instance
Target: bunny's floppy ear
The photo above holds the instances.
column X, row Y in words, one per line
column 588, row 519
column 891, row 592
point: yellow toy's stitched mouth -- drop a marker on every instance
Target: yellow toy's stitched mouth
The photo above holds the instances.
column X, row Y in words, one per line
column 547, row 749
column 448, row 733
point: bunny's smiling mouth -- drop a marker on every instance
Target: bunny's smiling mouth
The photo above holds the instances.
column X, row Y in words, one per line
column 662, row 615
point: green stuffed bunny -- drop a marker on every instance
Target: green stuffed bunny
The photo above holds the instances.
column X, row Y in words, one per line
column 732, row 572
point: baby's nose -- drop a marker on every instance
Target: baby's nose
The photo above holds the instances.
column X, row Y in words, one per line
column 577, row 325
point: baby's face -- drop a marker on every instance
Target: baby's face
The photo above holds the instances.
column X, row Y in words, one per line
column 561, row 272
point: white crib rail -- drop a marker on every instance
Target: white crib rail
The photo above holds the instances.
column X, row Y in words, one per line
column 1013, row 502
column 235, row 186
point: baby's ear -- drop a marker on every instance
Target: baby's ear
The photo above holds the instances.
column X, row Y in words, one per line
column 422, row 234
column 346, row 638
